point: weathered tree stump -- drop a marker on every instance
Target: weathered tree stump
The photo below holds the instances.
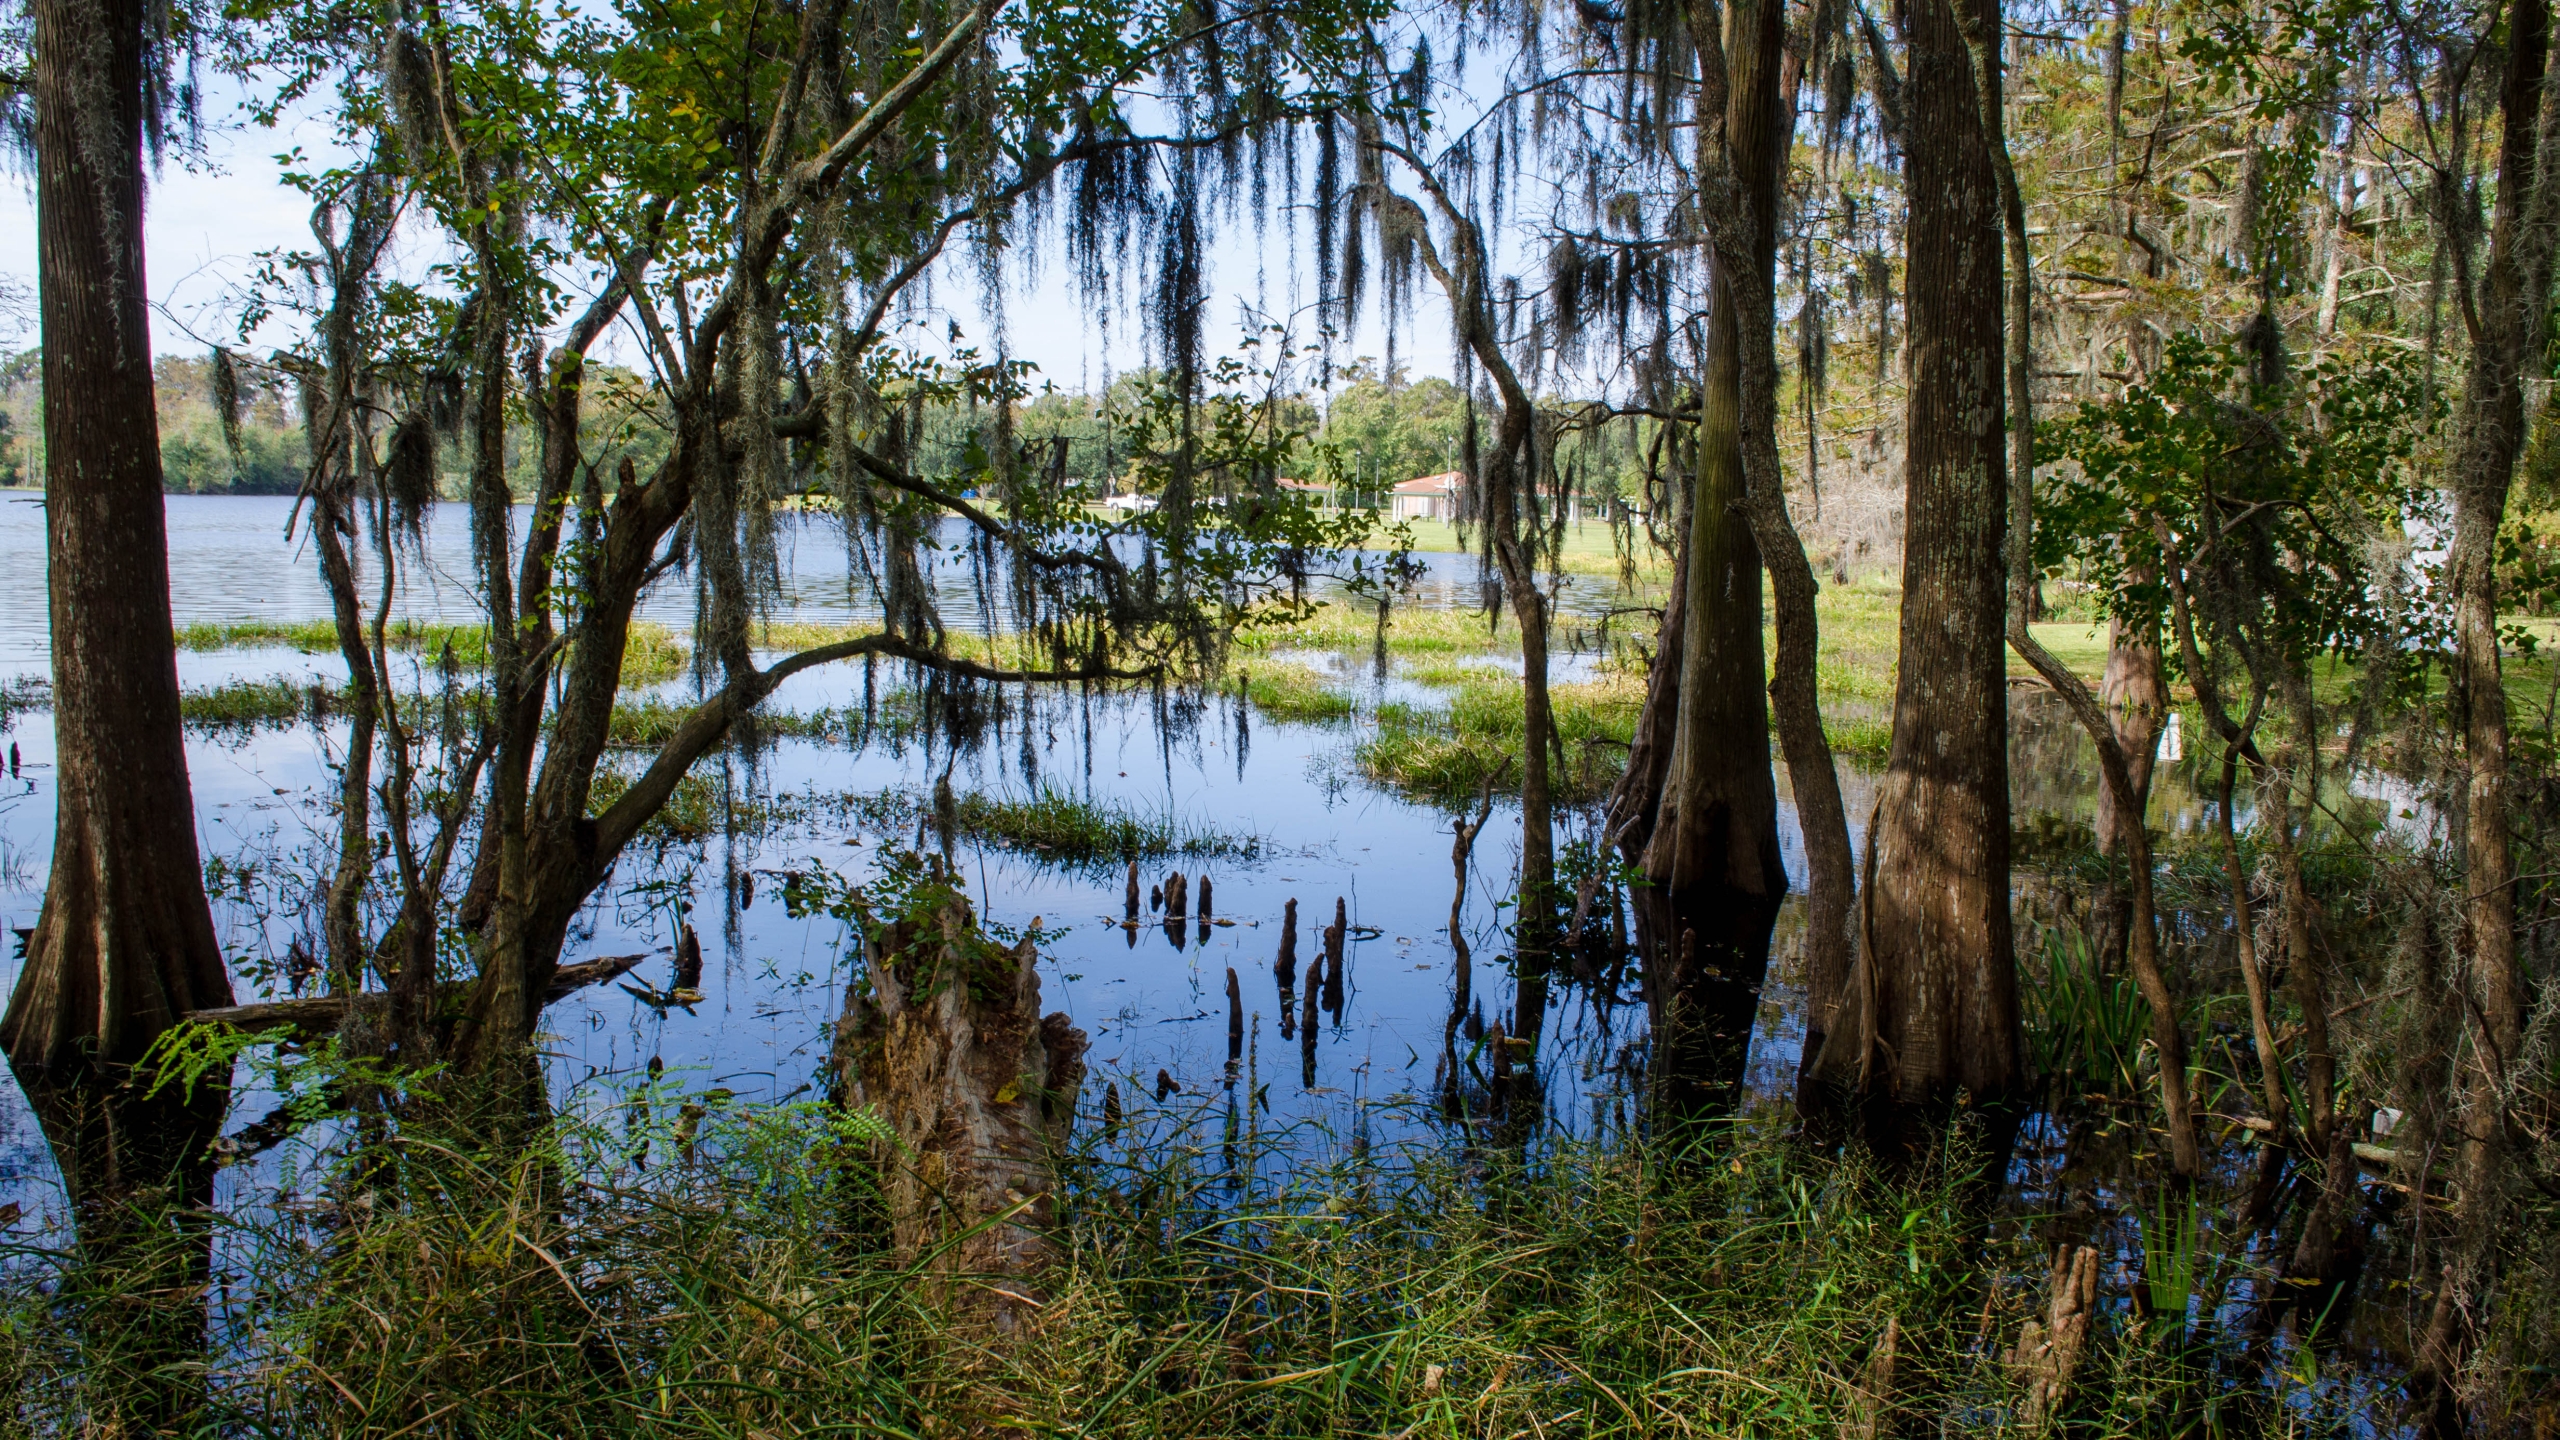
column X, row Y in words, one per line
column 2049, row 1348
column 942, row 1036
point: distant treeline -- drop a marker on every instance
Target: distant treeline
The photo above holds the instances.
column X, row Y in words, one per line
column 1379, row 429
column 194, row 458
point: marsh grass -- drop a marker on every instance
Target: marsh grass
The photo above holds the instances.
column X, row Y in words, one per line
column 1446, row 754
column 1061, row 827
column 688, row 1264
column 1354, row 629
column 242, row 708
column 673, row 1261
column 1281, row 691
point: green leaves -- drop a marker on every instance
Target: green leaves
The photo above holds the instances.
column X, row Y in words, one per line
column 2263, row 501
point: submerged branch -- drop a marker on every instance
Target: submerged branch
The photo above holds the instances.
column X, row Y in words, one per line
column 319, row 1015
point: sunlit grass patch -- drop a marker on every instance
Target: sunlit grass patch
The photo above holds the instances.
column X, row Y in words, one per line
column 249, row 706
column 1446, row 755
column 1448, row 674
column 1294, row 692
column 1059, row 826
column 1337, row 626
column 651, row 653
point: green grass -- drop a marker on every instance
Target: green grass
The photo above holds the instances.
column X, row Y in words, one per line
column 737, row 1287
column 1590, row 548
column 1445, row 754
column 246, row 707
column 1340, row 627
column 651, row 654
column 675, row 1261
column 1294, row 692
column 1061, row 827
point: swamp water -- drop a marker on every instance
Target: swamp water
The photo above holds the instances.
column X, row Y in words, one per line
column 1268, row 810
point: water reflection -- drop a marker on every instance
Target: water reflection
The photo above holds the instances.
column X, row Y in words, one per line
column 1395, row 982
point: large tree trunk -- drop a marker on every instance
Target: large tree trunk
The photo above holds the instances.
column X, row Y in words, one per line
column 1760, row 127
column 1635, row 802
column 1933, row 1006
column 2507, row 337
column 1717, row 877
column 125, row 942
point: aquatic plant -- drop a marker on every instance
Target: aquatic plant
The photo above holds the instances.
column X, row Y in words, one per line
column 1296, row 693
column 1446, row 754
column 1059, row 826
column 2085, row 1028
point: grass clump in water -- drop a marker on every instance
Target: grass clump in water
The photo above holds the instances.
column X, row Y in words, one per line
column 1333, row 625
column 1061, row 827
column 1294, row 692
column 246, row 707
column 1446, row 755
column 651, row 655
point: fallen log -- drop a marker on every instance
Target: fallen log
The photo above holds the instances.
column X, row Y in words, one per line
column 322, row 1014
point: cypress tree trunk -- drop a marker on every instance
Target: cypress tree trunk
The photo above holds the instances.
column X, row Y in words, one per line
column 1932, row 1008
column 1713, row 856
column 2507, row 335
column 1717, row 879
column 125, row 944
column 2135, row 692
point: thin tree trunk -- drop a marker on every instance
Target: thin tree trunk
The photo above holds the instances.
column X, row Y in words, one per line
column 2244, row 936
column 2134, row 689
column 2306, row 969
column 125, row 943
column 2168, row 1038
column 341, row 928
column 1933, row 1006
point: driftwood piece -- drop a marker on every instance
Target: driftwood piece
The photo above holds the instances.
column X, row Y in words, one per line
column 323, row 1014
column 2049, row 1348
column 943, row 1038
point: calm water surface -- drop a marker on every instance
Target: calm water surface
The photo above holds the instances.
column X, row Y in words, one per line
column 1314, row 829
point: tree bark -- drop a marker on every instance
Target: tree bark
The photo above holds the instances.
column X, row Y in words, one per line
column 1760, row 130
column 124, row 945
column 125, row 942
column 1635, row 802
column 949, row 1047
column 1713, row 860
column 1933, row 1005
column 2134, row 690
column 2508, row 335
